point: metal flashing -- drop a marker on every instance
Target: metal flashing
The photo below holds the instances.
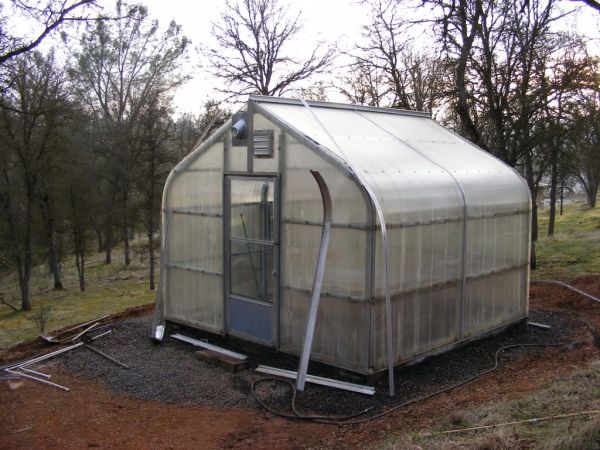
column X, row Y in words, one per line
column 360, row 388
column 206, row 345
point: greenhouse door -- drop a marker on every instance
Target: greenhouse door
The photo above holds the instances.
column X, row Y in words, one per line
column 252, row 257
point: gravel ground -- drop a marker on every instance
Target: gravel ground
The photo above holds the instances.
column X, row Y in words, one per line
column 171, row 373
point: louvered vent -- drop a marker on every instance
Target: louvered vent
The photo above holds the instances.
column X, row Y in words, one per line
column 262, row 142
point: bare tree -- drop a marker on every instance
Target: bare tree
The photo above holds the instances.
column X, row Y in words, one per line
column 587, row 146
column 388, row 71
column 591, row 3
column 363, row 84
column 47, row 17
column 250, row 56
column 154, row 131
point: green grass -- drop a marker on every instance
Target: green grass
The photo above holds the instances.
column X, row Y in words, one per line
column 110, row 288
column 575, row 248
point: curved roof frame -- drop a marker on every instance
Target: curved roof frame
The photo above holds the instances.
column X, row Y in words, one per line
column 374, row 208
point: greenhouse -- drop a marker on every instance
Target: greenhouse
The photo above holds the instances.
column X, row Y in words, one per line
column 429, row 243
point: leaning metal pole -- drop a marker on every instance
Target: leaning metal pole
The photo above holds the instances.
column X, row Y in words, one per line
column 386, row 281
column 317, row 283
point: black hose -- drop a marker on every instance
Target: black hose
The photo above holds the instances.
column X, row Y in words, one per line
column 346, row 420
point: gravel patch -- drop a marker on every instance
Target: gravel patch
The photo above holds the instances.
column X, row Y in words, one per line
column 171, row 373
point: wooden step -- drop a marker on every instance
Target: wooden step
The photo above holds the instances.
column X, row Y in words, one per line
column 230, row 364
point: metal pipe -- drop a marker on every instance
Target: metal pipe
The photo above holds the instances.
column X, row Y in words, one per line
column 42, row 357
column 352, row 387
column 158, row 320
column 208, row 346
column 110, row 358
column 39, row 380
column 34, row 372
column 317, row 282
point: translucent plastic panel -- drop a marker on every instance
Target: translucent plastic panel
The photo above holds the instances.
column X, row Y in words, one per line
column 420, row 257
column 271, row 163
column 196, row 242
column 301, row 197
column 490, row 186
column 341, row 335
column 495, row 300
column 199, row 186
column 194, row 298
column 212, row 158
column 410, row 188
column 237, row 159
column 252, row 270
column 422, row 321
column 252, row 209
column 497, row 243
column 346, row 266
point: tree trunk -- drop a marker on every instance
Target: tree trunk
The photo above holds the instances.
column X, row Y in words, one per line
column 27, row 257
column 530, row 177
column 553, row 188
column 109, row 244
column 82, row 273
column 152, row 257
column 126, row 249
column 108, row 241
column 125, row 228
column 562, row 196
column 48, row 219
column 98, row 231
column 592, row 195
column 79, row 260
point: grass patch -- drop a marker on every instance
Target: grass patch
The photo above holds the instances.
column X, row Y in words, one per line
column 575, row 248
column 110, row 288
column 576, row 393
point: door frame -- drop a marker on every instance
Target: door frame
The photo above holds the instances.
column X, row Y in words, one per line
column 255, row 176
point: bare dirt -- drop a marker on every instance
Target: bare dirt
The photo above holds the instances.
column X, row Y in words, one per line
column 169, row 399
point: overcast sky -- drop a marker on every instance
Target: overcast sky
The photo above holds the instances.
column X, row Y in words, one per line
column 333, row 21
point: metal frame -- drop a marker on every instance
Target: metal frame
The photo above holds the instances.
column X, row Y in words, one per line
column 250, row 146
column 289, row 101
column 275, row 243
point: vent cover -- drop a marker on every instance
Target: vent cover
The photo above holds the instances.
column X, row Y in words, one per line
column 262, row 143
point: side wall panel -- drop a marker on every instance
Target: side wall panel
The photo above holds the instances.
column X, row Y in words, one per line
column 342, row 329
column 194, row 256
